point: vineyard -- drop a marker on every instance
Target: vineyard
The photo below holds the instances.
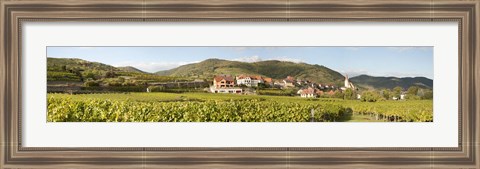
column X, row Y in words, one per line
column 206, row 107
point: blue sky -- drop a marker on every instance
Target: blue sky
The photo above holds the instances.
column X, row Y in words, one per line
column 375, row 61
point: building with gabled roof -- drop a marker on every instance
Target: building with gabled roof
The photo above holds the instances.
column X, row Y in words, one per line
column 223, row 81
column 224, row 84
column 308, row 93
column 250, row 81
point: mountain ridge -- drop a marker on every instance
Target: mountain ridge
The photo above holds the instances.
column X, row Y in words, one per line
column 389, row 82
column 270, row 68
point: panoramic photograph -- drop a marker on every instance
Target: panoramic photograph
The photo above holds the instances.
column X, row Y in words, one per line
column 239, row 84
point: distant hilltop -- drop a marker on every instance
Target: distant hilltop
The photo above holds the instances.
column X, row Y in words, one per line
column 366, row 81
column 272, row 68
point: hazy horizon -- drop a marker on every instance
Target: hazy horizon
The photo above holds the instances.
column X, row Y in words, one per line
column 354, row 61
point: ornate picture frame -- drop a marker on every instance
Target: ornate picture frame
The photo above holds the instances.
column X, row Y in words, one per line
column 15, row 12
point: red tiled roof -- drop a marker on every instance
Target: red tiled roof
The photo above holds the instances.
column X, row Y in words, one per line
column 308, row 91
column 227, row 78
column 251, row 77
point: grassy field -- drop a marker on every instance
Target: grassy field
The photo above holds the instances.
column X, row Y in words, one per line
column 209, row 107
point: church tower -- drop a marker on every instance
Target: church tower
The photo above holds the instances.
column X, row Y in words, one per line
column 347, row 83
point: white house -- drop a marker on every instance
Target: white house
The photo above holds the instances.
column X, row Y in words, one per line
column 244, row 80
column 307, row 93
column 288, row 83
column 402, row 96
column 249, row 80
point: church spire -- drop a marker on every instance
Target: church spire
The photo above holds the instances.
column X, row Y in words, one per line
column 347, row 83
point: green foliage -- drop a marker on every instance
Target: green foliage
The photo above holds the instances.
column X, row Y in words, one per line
column 80, row 69
column 94, row 110
column 91, row 83
column 62, row 76
column 115, row 88
column 399, row 111
column 277, row 92
column 349, row 94
column 131, row 69
column 370, row 96
column 114, row 83
column 262, row 86
column 90, row 75
column 61, row 105
column 110, row 74
column 387, row 94
column 412, row 97
column 338, row 94
column 397, row 91
column 158, row 78
column 65, row 64
column 428, row 94
column 412, row 91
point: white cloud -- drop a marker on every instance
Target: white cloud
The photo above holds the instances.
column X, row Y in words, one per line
column 153, row 66
column 254, row 58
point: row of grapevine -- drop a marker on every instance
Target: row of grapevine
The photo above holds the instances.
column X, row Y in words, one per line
column 96, row 110
column 399, row 111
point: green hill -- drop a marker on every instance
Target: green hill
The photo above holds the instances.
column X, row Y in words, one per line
column 130, row 69
column 76, row 70
column 271, row 68
column 365, row 81
column 57, row 64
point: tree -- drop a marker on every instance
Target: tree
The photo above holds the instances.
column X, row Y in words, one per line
column 91, row 84
column 349, row 94
column 397, row 91
column 78, row 73
column 261, row 86
column 89, row 75
column 412, row 91
column 370, row 96
column 428, row 94
column 338, row 94
column 387, row 94
column 121, row 79
column 110, row 74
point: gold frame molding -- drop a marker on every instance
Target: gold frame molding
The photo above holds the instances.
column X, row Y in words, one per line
column 15, row 12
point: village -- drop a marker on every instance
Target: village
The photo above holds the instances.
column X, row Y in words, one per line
column 246, row 84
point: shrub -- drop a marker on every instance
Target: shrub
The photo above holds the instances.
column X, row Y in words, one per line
column 91, row 83
column 370, row 96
